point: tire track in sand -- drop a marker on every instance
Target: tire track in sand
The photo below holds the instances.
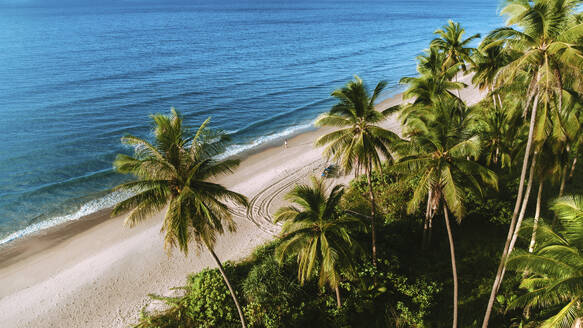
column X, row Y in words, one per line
column 260, row 207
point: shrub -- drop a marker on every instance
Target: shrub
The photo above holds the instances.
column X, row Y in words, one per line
column 269, row 293
column 206, row 303
column 276, row 299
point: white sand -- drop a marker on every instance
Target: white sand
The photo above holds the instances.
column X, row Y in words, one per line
column 97, row 273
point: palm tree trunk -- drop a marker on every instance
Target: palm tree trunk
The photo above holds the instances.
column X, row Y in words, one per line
column 563, row 181
column 493, row 97
column 430, row 230
column 502, row 264
column 453, row 266
column 459, row 95
column 561, row 189
column 424, row 242
column 536, row 217
column 573, row 167
column 523, row 208
column 425, row 231
column 372, row 214
column 338, row 303
column 228, row 286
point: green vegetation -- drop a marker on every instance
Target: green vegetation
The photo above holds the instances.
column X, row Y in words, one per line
column 317, row 234
column 480, row 163
column 360, row 143
column 553, row 278
column 546, row 59
column 440, row 152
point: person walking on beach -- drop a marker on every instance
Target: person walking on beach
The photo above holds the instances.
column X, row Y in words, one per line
column 285, row 144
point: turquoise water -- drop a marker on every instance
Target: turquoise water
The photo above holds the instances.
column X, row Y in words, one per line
column 73, row 80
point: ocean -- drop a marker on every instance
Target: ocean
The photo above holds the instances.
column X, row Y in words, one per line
column 74, row 79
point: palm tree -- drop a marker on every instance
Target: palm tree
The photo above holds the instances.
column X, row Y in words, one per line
column 554, row 271
column 501, row 132
column 487, row 63
column 451, row 42
column 442, row 158
column 317, row 233
column 434, row 80
column 547, row 168
column 174, row 172
column 548, row 55
column 568, row 134
column 359, row 143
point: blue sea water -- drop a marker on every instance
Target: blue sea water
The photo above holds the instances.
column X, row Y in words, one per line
column 74, row 79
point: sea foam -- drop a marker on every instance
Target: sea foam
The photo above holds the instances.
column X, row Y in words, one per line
column 88, row 208
column 113, row 198
column 236, row 149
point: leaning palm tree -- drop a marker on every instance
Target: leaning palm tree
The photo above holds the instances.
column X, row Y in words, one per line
column 174, row 173
column 548, row 53
column 360, row 143
column 554, row 271
column 316, row 232
column 442, row 158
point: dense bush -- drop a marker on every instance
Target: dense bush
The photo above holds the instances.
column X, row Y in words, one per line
column 206, row 303
column 384, row 297
column 392, row 194
column 274, row 296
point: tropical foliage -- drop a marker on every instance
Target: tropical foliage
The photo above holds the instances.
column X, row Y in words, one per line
column 553, row 273
column 482, row 163
column 318, row 234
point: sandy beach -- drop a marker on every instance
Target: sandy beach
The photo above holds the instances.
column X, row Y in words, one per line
column 95, row 272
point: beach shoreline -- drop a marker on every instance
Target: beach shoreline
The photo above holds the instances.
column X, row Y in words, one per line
column 93, row 272
column 71, row 227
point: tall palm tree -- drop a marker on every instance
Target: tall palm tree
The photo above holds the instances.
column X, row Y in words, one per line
column 317, row 233
column 548, row 54
column 360, row 143
column 554, row 271
column 452, row 43
column 442, row 158
column 174, row 172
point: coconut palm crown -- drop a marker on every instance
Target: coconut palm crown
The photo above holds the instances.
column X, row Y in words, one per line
column 434, row 80
column 455, row 47
column 360, row 142
column 317, row 233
